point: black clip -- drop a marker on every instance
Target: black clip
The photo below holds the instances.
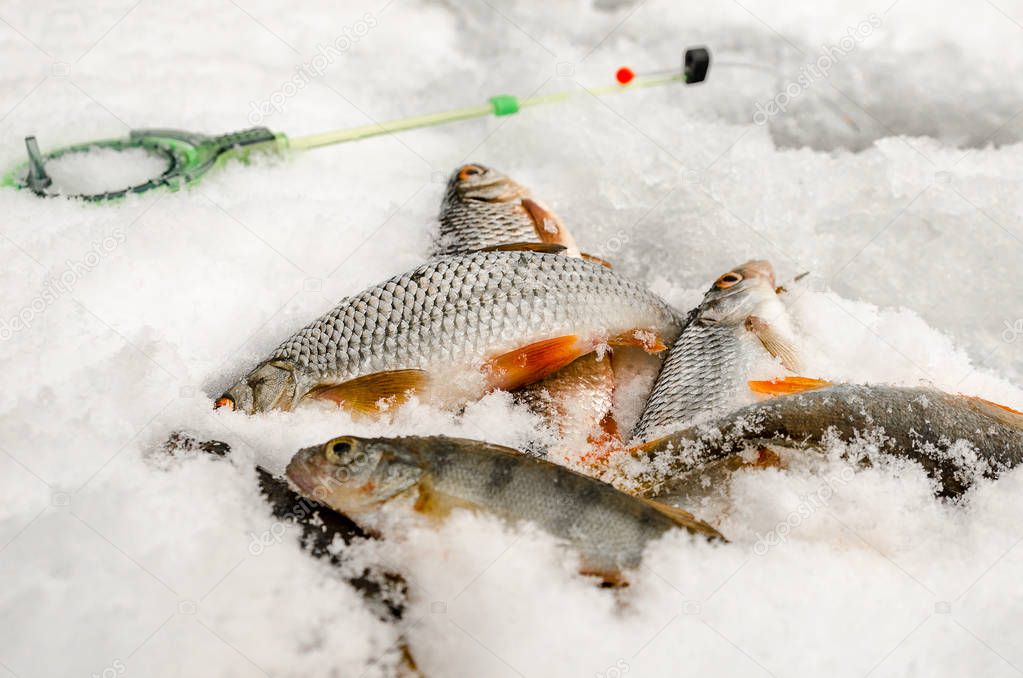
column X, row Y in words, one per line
column 696, row 64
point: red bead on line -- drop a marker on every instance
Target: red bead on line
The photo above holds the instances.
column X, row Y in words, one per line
column 624, row 75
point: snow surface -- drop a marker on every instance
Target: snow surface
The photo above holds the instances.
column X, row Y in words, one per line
column 895, row 180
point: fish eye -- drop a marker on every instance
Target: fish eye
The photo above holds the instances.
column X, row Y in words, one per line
column 469, row 171
column 727, row 280
column 339, row 447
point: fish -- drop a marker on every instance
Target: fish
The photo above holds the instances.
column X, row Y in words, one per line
column 918, row 423
column 454, row 329
column 740, row 322
column 483, row 207
column 433, row 476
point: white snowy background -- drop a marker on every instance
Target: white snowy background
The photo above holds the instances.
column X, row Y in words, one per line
column 895, row 179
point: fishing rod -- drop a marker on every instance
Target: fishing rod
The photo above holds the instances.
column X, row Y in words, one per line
column 190, row 155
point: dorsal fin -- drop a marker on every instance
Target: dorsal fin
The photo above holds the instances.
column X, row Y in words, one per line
column 543, row 247
column 1002, row 413
column 547, row 226
column 596, row 260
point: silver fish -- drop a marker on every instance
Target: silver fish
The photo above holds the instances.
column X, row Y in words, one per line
column 434, row 475
column 483, row 208
column 740, row 321
column 917, row 423
column 457, row 327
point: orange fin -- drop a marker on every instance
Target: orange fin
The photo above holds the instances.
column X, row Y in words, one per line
column 1002, row 413
column 646, row 447
column 437, row 505
column 604, row 442
column 776, row 343
column 788, row 385
column 684, row 519
column 648, row 340
column 609, row 427
column 596, row 260
column 532, row 362
column 547, row 225
column 609, row 578
column 767, row 458
column 544, row 247
column 363, row 394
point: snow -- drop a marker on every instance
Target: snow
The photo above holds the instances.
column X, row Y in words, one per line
column 894, row 179
column 103, row 169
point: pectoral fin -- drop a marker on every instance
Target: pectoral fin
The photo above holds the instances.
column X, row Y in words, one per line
column 438, row 505
column 776, row 343
column 610, row 577
column 532, row 362
column 364, row 394
column 648, row 340
column 788, row 385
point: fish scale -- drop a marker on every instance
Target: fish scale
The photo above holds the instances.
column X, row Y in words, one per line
column 919, row 424
column 467, row 225
column 463, row 309
column 739, row 324
column 700, row 375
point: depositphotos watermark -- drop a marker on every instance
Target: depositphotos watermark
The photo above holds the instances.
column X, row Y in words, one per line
column 117, row 668
column 258, row 543
column 1013, row 330
column 56, row 287
column 326, row 54
column 817, row 70
column 617, row 670
column 809, row 505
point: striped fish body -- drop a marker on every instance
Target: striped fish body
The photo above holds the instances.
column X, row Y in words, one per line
column 917, row 423
column 610, row 529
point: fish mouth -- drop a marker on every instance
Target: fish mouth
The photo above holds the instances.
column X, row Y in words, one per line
column 225, row 401
column 304, row 472
column 270, row 386
column 482, row 184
